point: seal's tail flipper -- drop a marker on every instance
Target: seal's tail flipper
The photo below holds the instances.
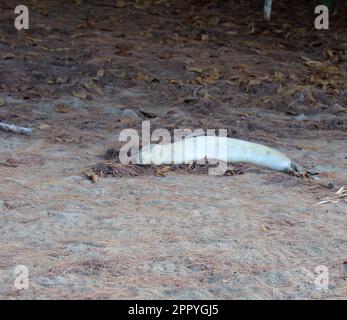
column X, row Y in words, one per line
column 297, row 169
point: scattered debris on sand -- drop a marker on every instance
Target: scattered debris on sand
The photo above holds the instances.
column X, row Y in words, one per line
column 340, row 194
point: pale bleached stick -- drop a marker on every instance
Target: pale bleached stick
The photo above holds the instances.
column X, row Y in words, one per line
column 267, row 9
column 15, row 129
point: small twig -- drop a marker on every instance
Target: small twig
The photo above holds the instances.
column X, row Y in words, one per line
column 341, row 193
column 196, row 91
column 15, row 129
column 7, row 164
column 292, row 223
column 21, row 185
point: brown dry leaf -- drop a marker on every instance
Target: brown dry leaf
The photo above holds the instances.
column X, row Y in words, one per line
column 146, row 34
column 7, row 56
column 213, row 21
column 288, row 91
column 33, row 54
column 97, row 89
column 293, row 77
column 198, row 22
column 211, row 74
column 330, row 70
column 229, row 24
column 103, row 59
column 312, row 63
column 241, row 67
column 80, row 95
column 30, row 41
column 265, row 228
column 44, row 126
column 129, row 121
column 195, row 69
column 62, row 49
column 158, row 2
column 142, row 77
column 149, row 79
column 205, row 37
column 93, row 87
column 322, row 67
column 88, row 85
column 173, row 81
column 278, row 76
column 246, row 80
column 45, row 48
column 162, row 172
column 123, row 51
column 116, row 19
column 61, row 108
column 254, row 82
column 197, row 80
column 329, row 53
column 77, row 35
column 120, row 3
column 61, row 80
column 231, row 33
column 141, row 6
column 234, row 81
column 311, row 97
column 100, row 73
column 91, row 176
column 165, row 55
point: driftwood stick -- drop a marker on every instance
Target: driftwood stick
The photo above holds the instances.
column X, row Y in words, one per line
column 267, row 9
column 15, row 129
